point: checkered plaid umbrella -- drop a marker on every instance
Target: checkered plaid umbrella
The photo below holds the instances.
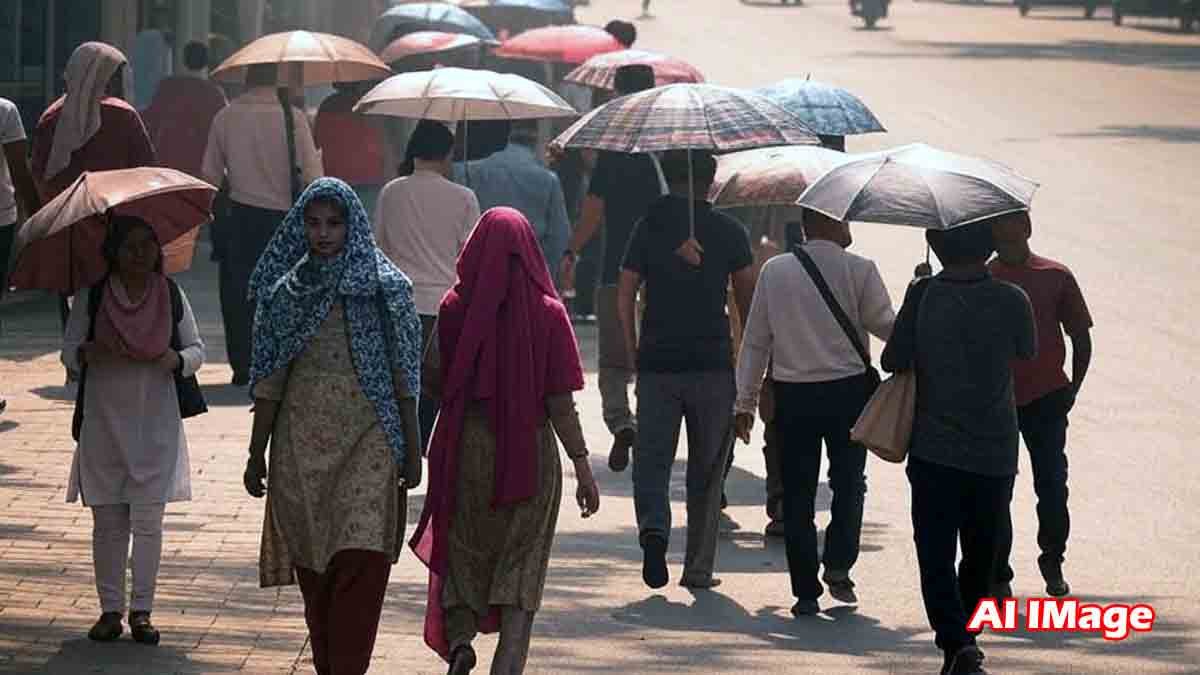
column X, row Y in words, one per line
column 687, row 116
column 600, row 71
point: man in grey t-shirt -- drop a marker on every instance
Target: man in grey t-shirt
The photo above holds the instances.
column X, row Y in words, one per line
column 961, row 331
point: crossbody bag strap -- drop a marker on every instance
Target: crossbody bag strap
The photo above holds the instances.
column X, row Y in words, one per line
column 289, row 126
column 834, row 307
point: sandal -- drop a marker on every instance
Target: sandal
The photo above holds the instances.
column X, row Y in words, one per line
column 108, row 628
column 462, row 660
column 143, row 631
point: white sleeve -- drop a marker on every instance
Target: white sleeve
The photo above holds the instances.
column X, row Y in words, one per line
column 11, row 129
column 757, row 341
column 76, row 331
column 191, row 347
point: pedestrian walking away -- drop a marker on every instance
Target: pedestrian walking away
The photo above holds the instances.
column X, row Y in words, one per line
column 248, row 151
column 180, row 117
column 354, row 146
column 621, row 190
column 128, row 339
column 1044, row 394
column 334, row 376
column 684, row 360
column 960, row 331
column 17, row 189
column 812, row 312
column 422, row 221
column 510, row 368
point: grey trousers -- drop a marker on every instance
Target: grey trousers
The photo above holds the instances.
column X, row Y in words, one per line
column 614, row 375
column 704, row 401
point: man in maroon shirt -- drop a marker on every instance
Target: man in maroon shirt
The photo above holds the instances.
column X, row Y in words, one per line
column 1044, row 394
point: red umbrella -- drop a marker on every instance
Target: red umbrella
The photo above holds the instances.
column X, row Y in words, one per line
column 426, row 42
column 73, row 225
column 601, row 70
column 559, row 44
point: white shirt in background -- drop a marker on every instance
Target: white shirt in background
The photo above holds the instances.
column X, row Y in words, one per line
column 421, row 223
column 11, row 131
column 791, row 326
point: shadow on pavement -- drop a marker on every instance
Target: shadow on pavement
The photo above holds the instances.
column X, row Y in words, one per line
column 1166, row 134
column 226, row 395
column 1151, row 55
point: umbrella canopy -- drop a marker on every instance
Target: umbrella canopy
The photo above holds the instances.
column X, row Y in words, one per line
column 771, row 176
column 559, row 44
column 453, row 94
column 425, row 16
column 72, row 226
column 427, row 42
column 601, row 70
column 919, row 186
column 687, row 116
column 510, row 17
column 829, row 110
column 316, row 58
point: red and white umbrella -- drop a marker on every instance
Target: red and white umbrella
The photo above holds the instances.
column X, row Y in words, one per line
column 559, row 44
column 600, row 71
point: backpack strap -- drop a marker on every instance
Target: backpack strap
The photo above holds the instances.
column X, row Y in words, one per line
column 834, row 307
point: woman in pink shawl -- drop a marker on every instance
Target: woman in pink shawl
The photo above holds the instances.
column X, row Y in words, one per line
column 509, row 366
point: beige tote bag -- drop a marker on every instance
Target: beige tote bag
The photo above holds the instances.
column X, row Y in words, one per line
column 885, row 425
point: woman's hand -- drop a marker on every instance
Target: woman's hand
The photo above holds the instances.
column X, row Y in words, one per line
column 256, row 475
column 169, row 361
column 412, row 470
column 587, row 495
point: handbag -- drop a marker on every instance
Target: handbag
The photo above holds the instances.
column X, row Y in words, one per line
column 187, row 388
column 839, row 314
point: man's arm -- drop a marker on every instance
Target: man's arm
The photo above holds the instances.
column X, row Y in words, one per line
column 899, row 355
column 1081, row 357
column 757, row 341
column 1026, row 346
column 15, row 153
column 743, row 292
column 875, row 305
column 591, row 216
column 627, row 288
column 557, row 227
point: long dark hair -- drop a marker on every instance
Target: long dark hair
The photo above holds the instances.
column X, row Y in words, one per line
column 119, row 229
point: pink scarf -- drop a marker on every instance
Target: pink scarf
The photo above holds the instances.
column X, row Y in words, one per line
column 139, row 331
column 505, row 341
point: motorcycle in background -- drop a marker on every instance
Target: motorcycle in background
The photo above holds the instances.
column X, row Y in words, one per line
column 871, row 11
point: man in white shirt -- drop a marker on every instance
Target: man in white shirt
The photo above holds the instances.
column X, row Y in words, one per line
column 16, row 186
column 822, row 380
column 247, row 146
column 422, row 221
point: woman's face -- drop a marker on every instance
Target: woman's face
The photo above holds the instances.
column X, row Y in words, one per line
column 139, row 253
column 325, row 225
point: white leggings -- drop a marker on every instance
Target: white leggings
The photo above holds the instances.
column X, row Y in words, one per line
column 113, row 523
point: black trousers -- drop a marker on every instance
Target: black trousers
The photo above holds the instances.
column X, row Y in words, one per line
column 1043, row 425
column 238, row 241
column 805, row 415
column 952, row 508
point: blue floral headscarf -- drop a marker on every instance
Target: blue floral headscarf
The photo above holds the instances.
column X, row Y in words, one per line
column 294, row 292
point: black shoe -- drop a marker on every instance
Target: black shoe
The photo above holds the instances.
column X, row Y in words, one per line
column 143, row 631
column 618, row 457
column 842, row 590
column 654, row 562
column 462, row 660
column 107, row 628
column 1056, row 585
column 806, row 608
column 967, row 661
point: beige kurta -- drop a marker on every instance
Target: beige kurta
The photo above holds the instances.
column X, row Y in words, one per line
column 333, row 484
column 132, row 449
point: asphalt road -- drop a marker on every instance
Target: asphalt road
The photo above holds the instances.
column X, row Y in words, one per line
column 1103, row 117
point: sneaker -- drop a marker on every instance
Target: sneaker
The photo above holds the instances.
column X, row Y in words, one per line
column 654, row 562
column 618, row 457
column 143, row 631
column 108, row 628
column 841, row 587
column 806, row 608
column 775, row 528
column 967, row 661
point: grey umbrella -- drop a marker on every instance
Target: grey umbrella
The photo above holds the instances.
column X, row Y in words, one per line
column 919, row 186
column 829, row 110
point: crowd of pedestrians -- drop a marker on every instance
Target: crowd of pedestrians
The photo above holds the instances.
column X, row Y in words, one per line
column 379, row 311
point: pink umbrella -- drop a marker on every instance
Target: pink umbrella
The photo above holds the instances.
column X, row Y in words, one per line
column 601, row 70
column 426, row 42
column 559, row 44
column 71, row 228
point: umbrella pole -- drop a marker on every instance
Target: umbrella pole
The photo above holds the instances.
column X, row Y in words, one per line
column 467, row 146
column 691, row 198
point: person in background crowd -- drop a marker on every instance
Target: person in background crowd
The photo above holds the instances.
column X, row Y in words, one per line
column 353, row 146
column 510, row 367
column 622, row 188
column 133, row 333
column 514, row 177
column 1044, row 394
column 153, row 57
column 623, row 31
column 335, row 372
column 421, row 222
column 17, row 189
column 821, row 382
column 180, row 117
column 248, row 147
column 960, row 331
column 684, row 360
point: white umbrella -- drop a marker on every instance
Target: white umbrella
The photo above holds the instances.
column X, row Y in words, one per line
column 919, row 186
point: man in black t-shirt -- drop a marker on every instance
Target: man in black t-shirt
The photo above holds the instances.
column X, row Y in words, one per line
column 621, row 189
column 684, row 360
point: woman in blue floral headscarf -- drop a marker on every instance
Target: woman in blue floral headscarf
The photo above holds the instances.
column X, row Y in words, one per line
column 334, row 375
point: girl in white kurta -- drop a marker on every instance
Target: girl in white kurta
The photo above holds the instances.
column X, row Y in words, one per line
column 132, row 455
